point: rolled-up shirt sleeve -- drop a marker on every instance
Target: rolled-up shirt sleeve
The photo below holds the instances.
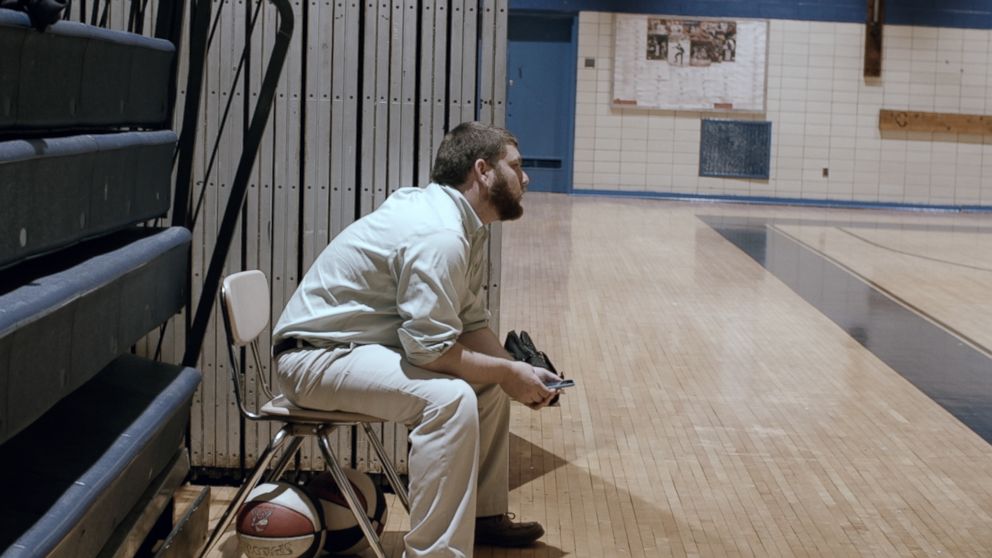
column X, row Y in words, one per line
column 432, row 282
column 475, row 314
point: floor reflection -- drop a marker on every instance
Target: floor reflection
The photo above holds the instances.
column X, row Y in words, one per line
column 953, row 373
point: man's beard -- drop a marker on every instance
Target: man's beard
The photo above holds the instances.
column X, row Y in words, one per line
column 507, row 206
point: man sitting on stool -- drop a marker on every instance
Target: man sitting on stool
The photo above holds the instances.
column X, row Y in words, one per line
column 390, row 321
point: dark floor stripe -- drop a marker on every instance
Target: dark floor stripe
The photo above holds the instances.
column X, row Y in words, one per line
column 953, row 373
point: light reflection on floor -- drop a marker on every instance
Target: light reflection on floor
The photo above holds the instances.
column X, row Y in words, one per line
column 956, row 374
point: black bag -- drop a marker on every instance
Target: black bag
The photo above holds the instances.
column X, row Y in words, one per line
column 42, row 12
column 522, row 348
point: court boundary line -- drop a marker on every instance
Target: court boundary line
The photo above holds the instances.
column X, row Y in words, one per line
column 769, row 200
column 968, row 340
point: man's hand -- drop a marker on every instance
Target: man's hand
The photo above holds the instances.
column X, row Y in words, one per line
column 479, row 358
column 525, row 383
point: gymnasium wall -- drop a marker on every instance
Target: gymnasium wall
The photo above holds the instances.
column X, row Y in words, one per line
column 824, row 115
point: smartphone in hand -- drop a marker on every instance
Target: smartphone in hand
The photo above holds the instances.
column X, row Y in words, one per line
column 561, row 384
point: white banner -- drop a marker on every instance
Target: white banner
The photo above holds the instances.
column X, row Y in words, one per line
column 675, row 63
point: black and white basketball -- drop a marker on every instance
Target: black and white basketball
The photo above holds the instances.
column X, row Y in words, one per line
column 343, row 535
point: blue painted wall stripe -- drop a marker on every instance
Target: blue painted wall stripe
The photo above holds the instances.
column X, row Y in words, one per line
column 967, row 14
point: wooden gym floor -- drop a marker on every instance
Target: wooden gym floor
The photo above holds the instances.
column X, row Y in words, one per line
column 730, row 408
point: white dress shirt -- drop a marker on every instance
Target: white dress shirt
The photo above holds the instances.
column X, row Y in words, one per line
column 408, row 275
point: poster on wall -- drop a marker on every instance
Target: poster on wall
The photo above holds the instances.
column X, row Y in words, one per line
column 701, row 64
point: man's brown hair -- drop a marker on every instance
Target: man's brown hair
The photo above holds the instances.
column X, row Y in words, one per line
column 465, row 144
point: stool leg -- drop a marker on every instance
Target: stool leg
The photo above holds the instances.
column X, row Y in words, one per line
column 349, row 493
column 256, row 475
column 387, row 466
column 284, row 459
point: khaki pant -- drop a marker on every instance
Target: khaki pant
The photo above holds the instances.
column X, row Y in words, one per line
column 459, row 435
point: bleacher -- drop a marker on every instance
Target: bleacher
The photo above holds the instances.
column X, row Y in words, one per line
column 91, row 436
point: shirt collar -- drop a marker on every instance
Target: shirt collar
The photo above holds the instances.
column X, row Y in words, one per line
column 470, row 220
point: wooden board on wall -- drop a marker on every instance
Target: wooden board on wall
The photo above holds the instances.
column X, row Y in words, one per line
column 941, row 122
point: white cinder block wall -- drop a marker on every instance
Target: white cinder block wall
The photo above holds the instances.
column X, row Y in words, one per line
column 823, row 113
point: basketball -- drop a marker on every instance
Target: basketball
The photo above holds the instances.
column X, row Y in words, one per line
column 279, row 519
column 344, row 536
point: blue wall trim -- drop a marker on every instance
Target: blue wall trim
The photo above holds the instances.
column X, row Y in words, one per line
column 968, row 14
column 783, row 201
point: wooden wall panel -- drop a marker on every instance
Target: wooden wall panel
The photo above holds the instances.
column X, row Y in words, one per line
column 261, row 45
column 491, row 109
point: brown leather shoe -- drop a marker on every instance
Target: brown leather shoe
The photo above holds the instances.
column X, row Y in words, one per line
column 501, row 530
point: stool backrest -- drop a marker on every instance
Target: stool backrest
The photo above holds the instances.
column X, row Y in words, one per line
column 244, row 299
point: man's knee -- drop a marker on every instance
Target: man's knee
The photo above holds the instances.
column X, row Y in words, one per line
column 467, row 401
column 455, row 403
column 491, row 395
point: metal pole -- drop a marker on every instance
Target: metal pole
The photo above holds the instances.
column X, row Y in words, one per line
column 240, row 186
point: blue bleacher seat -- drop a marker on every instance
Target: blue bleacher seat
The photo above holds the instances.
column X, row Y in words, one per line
column 75, row 473
column 79, row 76
column 58, row 191
column 91, row 436
column 65, row 316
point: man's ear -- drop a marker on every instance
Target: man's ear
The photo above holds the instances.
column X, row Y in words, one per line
column 480, row 168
